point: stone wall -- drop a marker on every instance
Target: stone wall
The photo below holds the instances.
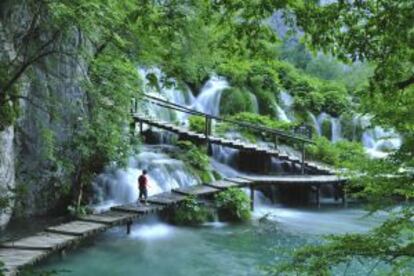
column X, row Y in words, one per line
column 55, row 102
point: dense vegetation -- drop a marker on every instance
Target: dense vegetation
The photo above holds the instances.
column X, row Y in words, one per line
column 190, row 212
column 196, row 159
column 233, row 205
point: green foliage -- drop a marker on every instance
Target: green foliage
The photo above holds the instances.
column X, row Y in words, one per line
column 391, row 243
column 233, row 205
column 78, row 211
column 196, row 159
column 197, row 123
column 341, row 154
column 1, row 268
column 190, row 212
column 313, row 94
column 235, row 100
column 254, row 119
column 383, row 25
column 9, row 112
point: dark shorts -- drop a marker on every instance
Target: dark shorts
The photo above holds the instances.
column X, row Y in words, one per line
column 143, row 193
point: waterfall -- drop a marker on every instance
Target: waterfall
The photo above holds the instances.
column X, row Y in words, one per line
column 254, row 102
column 336, row 129
column 315, row 123
column 281, row 114
column 284, row 112
column 208, row 101
column 286, row 99
column 119, row 185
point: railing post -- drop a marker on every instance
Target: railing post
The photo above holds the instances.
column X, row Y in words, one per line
column 276, row 141
column 251, row 198
column 207, row 127
column 133, row 100
column 303, row 159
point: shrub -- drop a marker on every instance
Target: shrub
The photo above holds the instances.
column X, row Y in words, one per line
column 190, row 212
column 342, row 154
column 197, row 123
column 235, row 100
column 254, row 119
column 233, row 205
column 196, row 159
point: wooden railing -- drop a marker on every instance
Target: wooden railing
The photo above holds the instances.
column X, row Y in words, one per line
column 301, row 135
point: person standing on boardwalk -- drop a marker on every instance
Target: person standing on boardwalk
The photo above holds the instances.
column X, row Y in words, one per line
column 143, row 187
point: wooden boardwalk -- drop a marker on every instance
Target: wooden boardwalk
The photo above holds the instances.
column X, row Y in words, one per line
column 30, row 250
column 191, row 135
column 297, row 179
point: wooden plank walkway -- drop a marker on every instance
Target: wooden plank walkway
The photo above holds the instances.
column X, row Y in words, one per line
column 111, row 218
column 296, row 179
column 224, row 184
column 41, row 241
column 166, row 198
column 309, row 165
column 197, row 190
column 78, row 228
column 138, row 208
column 15, row 259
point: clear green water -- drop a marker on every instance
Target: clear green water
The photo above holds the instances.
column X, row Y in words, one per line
column 156, row 248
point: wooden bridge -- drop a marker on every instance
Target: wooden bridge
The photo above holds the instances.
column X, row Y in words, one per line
column 307, row 167
column 27, row 251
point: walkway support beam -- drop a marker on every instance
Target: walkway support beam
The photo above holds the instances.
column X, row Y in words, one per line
column 251, row 198
column 302, row 169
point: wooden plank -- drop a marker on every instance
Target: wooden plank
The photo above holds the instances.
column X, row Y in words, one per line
column 14, row 259
column 78, row 228
column 297, row 179
column 197, row 190
column 166, row 198
column 223, row 184
column 238, row 180
column 41, row 241
column 138, row 208
column 110, row 218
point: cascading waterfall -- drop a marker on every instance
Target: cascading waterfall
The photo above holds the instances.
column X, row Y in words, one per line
column 336, row 129
column 283, row 113
column 119, row 185
column 315, row 123
column 208, row 101
column 377, row 141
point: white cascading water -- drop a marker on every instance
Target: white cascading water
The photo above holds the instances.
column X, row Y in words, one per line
column 286, row 108
column 119, row 185
column 336, row 129
column 315, row 123
column 208, row 101
column 376, row 141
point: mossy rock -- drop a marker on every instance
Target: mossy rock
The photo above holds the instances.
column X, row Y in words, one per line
column 326, row 129
column 235, row 100
column 197, row 123
column 8, row 115
column 190, row 212
column 267, row 102
column 233, row 205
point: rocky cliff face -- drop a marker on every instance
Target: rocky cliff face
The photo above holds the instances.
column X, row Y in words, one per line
column 53, row 105
column 7, row 169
